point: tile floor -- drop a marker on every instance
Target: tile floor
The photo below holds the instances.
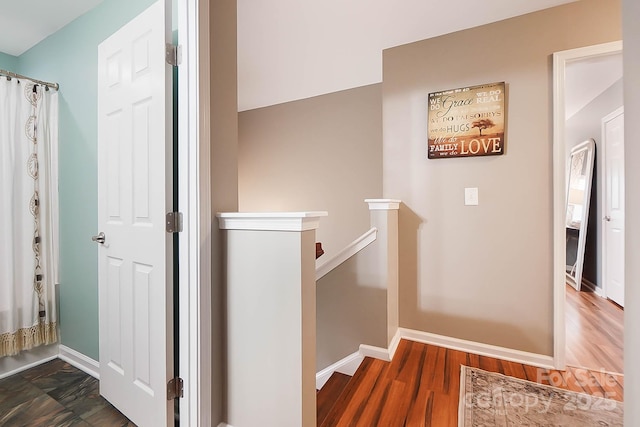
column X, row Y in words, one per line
column 55, row 394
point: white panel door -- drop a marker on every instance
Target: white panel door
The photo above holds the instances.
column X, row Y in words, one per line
column 134, row 185
column 613, row 248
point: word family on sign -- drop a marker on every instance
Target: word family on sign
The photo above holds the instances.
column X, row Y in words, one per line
column 476, row 146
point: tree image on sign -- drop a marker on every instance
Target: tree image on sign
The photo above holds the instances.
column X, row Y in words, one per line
column 483, row 124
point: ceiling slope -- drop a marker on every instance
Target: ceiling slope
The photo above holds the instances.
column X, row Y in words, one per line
column 24, row 23
column 293, row 49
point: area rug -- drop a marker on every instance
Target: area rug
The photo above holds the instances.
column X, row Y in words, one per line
column 490, row 399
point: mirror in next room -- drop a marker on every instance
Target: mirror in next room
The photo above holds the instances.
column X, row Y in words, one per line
column 579, row 176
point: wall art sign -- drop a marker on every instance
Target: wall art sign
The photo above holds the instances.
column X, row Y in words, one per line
column 466, row 122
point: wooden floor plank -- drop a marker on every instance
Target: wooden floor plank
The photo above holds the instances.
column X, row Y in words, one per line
column 532, row 373
column 400, row 358
column 356, row 395
column 611, row 385
column 513, row 369
column 421, row 386
column 473, row 360
column 395, row 408
column 594, row 331
column 349, row 392
column 438, row 372
column 445, row 410
column 420, row 410
column 422, row 395
column 455, row 359
column 330, row 394
column 573, row 382
column 369, row 413
column 490, row 364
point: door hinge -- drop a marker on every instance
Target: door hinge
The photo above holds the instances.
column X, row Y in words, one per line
column 175, row 388
column 174, row 222
column 173, row 54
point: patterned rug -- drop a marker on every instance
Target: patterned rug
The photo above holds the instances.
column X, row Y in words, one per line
column 490, row 399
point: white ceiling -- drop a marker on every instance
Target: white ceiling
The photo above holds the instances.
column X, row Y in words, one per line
column 295, row 49
column 24, row 23
column 587, row 78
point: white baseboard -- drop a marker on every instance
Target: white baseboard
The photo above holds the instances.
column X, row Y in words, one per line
column 593, row 287
column 224, row 425
column 347, row 366
column 350, row 364
column 375, row 352
column 80, row 361
column 481, row 349
column 393, row 346
column 11, row 365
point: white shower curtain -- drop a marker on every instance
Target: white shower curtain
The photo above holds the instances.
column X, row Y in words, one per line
column 28, row 215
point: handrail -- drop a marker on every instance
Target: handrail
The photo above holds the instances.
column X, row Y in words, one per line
column 353, row 248
column 319, row 250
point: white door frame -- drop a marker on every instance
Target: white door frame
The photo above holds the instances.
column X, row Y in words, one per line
column 195, row 205
column 560, row 60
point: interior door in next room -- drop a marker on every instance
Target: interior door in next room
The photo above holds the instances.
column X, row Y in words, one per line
column 613, row 242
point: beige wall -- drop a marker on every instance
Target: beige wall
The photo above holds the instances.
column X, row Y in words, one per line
column 323, row 153
column 224, row 171
column 351, row 309
column 482, row 273
column 631, row 53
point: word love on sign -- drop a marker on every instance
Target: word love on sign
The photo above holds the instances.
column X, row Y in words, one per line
column 466, row 122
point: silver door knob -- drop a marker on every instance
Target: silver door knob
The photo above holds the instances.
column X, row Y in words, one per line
column 607, row 218
column 99, row 238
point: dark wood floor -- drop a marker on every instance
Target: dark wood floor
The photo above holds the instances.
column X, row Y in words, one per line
column 421, row 386
column 594, row 332
column 55, row 394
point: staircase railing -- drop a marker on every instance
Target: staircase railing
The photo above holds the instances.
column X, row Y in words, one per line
column 356, row 291
column 322, row 268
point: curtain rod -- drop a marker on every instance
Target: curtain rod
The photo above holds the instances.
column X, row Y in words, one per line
column 20, row 76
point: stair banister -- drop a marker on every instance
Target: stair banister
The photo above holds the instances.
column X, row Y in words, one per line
column 271, row 318
column 363, row 275
column 322, row 268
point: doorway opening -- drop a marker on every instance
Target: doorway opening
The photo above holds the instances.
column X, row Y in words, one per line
column 588, row 326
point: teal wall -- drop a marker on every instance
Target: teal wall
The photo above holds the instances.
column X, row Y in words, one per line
column 70, row 57
column 8, row 62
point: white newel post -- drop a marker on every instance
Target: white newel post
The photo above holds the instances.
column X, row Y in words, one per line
column 384, row 216
column 271, row 318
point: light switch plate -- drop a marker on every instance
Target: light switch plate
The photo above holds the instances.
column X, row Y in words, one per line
column 471, row 196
